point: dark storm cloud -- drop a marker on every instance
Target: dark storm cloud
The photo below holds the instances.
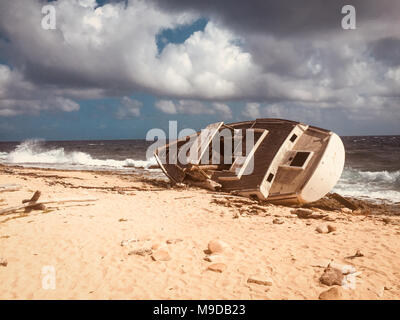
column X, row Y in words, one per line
column 263, row 53
column 386, row 50
column 285, row 17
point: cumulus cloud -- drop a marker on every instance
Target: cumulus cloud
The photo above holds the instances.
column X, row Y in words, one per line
column 266, row 52
column 183, row 107
column 193, row 107
column 166, row 106
column 129, row 108
column 223, row 109
column 18, row 96
column 252, row 110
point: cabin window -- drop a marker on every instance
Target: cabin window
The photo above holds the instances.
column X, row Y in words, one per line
column 293, row 138
column 299, row 159
column 270, row 177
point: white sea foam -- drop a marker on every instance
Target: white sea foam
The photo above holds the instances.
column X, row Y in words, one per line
column 383, row 185
column 33, row 153
column 354, row 183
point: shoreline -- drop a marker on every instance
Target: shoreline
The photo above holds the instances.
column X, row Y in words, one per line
column 145, row 239
column 363, row 202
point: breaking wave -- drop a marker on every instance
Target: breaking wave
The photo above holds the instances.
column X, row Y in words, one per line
column 34, row 153
column 379, row 185
column 373, row 185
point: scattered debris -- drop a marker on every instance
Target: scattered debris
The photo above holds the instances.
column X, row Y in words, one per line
column 34, row 198
column 141, row 252
column 213, row 257
column 358, row 254
column 302, row 213
column 173, row 241
column 261, row 280
column 206, row 184
column 126, row 242
column 33, row 204
column 186, row 197
column 3, row 262
column 347, row 203
column 237, row 202
column 309, row 214
column 9, row 187
column 277, row 221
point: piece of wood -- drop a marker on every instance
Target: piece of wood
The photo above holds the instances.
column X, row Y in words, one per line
column 206, row 184
column 206, row 167
column 228, row 196
column 188, row 197
column 343, row 201
column 34, row 198
column 197, row 173
column 27, row 205
column 9, row 187
column 35, row 207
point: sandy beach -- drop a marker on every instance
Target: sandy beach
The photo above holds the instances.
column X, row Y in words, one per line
column 143, row 239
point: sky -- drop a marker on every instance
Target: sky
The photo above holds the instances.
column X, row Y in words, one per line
column 116, row 69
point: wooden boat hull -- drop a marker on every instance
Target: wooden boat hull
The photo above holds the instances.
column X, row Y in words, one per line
column 287, row 161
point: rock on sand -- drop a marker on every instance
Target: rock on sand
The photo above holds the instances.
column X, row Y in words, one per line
column 217, row 267
column 217, row 246
column 334, row 293
column 332, row 276
column 161, row 255
column 3, row 262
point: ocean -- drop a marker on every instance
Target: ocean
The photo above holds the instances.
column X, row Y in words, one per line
column 372, row 167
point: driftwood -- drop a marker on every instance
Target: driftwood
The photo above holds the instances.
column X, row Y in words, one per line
column 235, row 198
column 188, row 197
column 33, row 201
column 9, row 187
column 34, row 204
column 343, row 201
column 206, row 184
column 115, row 188
column 34, row 198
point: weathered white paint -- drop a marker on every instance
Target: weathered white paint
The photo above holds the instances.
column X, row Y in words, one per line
column 328, row 172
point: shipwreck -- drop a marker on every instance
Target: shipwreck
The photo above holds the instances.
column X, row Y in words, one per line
column 277, row 160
